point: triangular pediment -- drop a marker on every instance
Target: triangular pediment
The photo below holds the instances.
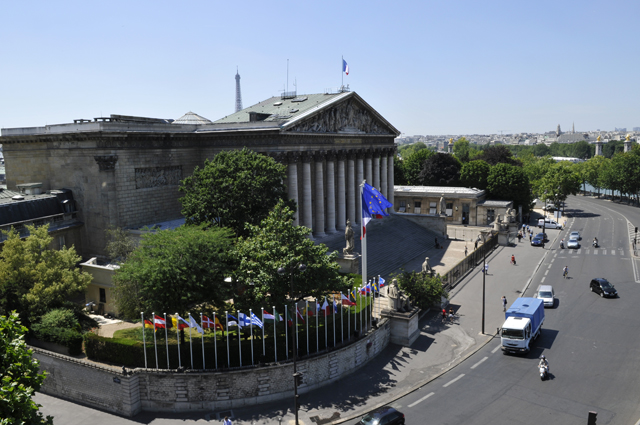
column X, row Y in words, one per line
column 350, row 115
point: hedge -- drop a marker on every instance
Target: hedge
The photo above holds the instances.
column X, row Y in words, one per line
column 69, row 338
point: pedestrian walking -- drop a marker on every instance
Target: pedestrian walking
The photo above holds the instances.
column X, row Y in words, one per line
column 504, row 303
column 465, row 250
column 475, row 246
column 530, row 237
column 444, row 315
column 227, row 421
column 486, row 269
column 437, row 245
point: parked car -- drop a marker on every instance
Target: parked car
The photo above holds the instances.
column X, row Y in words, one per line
column 602, row 287
column 573, row 243
column 549, row 223
column 546, row 294
column 537, row 240
column 386, row 415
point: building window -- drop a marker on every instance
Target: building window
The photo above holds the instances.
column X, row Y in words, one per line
column 491, row 215
column 103, row 295
column 432, row 208
column 61, row 242
column 417, row 206
column 449, row 209
column 403, row 206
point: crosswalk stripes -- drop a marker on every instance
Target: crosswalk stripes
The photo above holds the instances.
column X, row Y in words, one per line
column 596, row 251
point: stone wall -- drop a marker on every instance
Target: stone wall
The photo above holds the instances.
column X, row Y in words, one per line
column 149, row 390
column 101, row 387
column 434, row 223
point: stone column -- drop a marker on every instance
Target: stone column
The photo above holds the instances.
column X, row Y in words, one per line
column 376, row 169
column 383, row 173
column 367, row 167
column 331, row 192
column 318, row 196
column 305, row 206
column 292, row 182
column 390, row 183
column 351, row 184
column 341, row 218
column 359, row 178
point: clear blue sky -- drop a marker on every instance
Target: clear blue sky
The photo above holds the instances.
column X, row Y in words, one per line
column 429, row 67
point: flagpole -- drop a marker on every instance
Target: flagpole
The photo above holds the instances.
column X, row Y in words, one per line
column 264, row 350
column 202, row 325
column 349, row 320
column 317, row 337
column 215, row 340
column 364, row 236
column 306, row 309
column 342, row 73
column 144, row 341
column 251, row 331
column 296, row 304
column 155, row 343
column 341, row 318
column 190, row 342
column 166, row 338
column 335, row 307
column 326, row 339
column 178, row 338
column 275, row 342
column 239, row 339
column 360, row 294
column 286, row 330
column 226, row 314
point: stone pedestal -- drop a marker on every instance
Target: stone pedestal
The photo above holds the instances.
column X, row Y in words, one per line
column 503, row 238
column 349, row 263
column 404, row 326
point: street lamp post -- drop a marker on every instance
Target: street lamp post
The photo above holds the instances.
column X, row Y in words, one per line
column 484, row 275
column 296, row 376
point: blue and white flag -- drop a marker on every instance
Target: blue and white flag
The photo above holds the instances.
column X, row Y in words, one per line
column 381, row 281
column 256, row 321
column 233, row 321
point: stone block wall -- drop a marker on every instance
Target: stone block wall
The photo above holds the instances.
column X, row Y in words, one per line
column 100, row 387
column 149, row 390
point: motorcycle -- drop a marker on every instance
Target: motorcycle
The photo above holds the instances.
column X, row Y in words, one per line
column 561, row 244
column 544, row 372
column 595, row 244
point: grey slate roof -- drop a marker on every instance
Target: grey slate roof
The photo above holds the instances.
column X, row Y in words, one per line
column 495, row 203
column 32, row 207
column 447, row 191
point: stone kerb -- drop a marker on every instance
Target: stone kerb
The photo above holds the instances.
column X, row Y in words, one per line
column 107, row 388
column 167, row 391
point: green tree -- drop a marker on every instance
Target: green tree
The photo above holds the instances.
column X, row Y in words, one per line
column 172, row 270
column 509, row 182
column 120, row 244
column 440, row 169
column 399, row 178
column 233, row 189
column 425, row 291
column 559, row 182
column 500, row 154
column 277, row 243
column 581, row 150
column 35, row 279
column 541, row 149
column 461, row 149
column 612, row 147
column 19, row 376
column 474, row 174
column 408, row 150
column 413, row 164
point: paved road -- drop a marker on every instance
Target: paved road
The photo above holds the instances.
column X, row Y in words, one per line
column 591, row 342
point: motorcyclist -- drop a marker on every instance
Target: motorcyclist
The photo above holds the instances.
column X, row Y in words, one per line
column 595, row 242
column 565, row 271
column 562, row 243
column 543, row 362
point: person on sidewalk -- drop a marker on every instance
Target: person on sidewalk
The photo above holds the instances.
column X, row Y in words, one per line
column 444, row 315
column 465, row 251
column 486, row 269
column 513, row 259
column 227, row 421
column 530, row 237
column 504, row 303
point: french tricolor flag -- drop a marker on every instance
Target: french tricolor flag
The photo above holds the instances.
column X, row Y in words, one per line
column 345, row 67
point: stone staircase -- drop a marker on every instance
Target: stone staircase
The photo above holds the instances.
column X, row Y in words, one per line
column 392, row 244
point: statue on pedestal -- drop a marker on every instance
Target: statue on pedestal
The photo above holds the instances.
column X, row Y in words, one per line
column 443, row 206
column 426, row 267
column 348, row 236
column 398, row 301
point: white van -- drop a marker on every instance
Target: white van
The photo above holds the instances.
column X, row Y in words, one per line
column 549, row 223
column 546, row 294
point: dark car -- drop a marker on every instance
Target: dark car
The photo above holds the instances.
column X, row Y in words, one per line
column 385, row 415
column 537, row 240
column 603, row 288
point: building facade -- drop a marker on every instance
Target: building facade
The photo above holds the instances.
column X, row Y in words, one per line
column 125, row 171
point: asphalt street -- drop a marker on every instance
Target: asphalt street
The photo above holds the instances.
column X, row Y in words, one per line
column 456, row 374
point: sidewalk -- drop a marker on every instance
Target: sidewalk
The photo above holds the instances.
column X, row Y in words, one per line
column 398, row 371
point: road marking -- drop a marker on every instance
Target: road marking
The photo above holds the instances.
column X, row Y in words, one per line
column 546, row 272
column 453, row 380
column 553, row 259
column 421, row 400
column 613, row 252
column 604, row 252
column 549, row 266
column 586, row 251
column 478, row 364
column 579, row 251
column 595, row 252
column 542, row 280
column 495, row 349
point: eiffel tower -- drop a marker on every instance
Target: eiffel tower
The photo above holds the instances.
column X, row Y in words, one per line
column 238, row 94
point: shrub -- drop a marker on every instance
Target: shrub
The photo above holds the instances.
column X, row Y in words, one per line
column 425, row 291
column 60, row 326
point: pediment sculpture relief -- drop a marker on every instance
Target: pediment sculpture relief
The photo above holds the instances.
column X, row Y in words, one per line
column 348, row 116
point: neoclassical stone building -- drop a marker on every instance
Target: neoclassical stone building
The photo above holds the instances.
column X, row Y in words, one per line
column 125, row 171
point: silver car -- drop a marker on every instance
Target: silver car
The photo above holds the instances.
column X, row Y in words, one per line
column 573, row 243
column 575, row 235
